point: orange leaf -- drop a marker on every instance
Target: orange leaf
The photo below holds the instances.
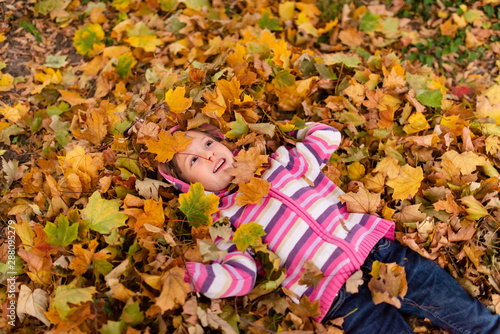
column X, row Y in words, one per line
column 167, row 145
column 83, row 257
column 176, row 100
column 253, row 192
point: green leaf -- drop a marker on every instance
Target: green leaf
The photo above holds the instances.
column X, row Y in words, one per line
column 53, row 110
column 87, row 40
column 70, row 294
column 239, row 128
column 46, row 6
column 325, row 72
column 167, row 5
column 131, row 163
column 284, row 78
column 369, row 22
column 340, row 58
column 30, row 27
column 56, row 61
column 197, row 206
column 132, row 314
column 430, row 98
column 125, row 63
column 103, row 215
column 113, row 327
column 267, row 21
column 248, row 235
column 61, row 234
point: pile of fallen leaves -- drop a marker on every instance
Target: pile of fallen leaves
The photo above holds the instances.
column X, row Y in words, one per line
column 89, row 90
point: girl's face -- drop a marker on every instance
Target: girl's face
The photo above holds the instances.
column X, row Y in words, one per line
column 205, row 160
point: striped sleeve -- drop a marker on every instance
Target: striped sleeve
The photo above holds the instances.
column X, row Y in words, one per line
column 317, row 143
column 234, row 275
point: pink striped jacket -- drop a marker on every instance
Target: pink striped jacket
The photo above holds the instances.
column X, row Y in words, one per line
column 302, row 222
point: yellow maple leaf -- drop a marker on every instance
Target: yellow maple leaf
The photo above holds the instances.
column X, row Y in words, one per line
column 389, row 100
column 167, row 145
column 140, row 36
column 73, row 98
column 253, row 192
column 14, row 114
column 467, row 162
column 407, row 182
column 281, row 54
column 153, row 214
column 176, row 100
column 417, row 123
column 454, row 123
column 81, row 168
column 216, row 105
column 388, row 166
column 230, row 90
column 174, row 290
column 492, row 144
column 6, row 82
column 395, row 78
column 351, row 37
column 356, row 92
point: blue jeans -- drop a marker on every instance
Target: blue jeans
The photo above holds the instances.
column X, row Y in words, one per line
column 432, row 293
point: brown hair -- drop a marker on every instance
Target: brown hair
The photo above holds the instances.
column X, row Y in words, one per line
column 171, row 167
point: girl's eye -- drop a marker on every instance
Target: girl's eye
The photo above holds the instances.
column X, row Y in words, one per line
column 194, row 160
column 209, row 143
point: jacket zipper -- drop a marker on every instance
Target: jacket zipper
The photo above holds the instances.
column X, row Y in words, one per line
column 344, row 245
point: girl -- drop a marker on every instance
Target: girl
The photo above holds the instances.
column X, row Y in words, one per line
column 305, row 221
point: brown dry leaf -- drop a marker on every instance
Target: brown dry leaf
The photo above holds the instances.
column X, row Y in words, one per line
column 407, row 182
column 449, row 205
column 306, row 309
column 351, row 37
column 33, row 303
column 246, row 164
column 361, row 202
column 354, row 282
column 409, row 213
column 496, row 302
column 311, row 275
column 253, row 192
column 467, row 162
column 174, row 290
column 388, row 283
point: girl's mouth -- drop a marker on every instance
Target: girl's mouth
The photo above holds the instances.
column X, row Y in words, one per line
column 219, row 165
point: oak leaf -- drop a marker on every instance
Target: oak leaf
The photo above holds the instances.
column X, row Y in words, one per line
column 167, row 145
column 174, row 290
column 246, row 164
column 253, row 192
column 361, row 202
column 197, row 206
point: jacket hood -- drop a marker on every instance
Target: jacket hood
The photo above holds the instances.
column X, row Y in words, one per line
column 167, row 173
